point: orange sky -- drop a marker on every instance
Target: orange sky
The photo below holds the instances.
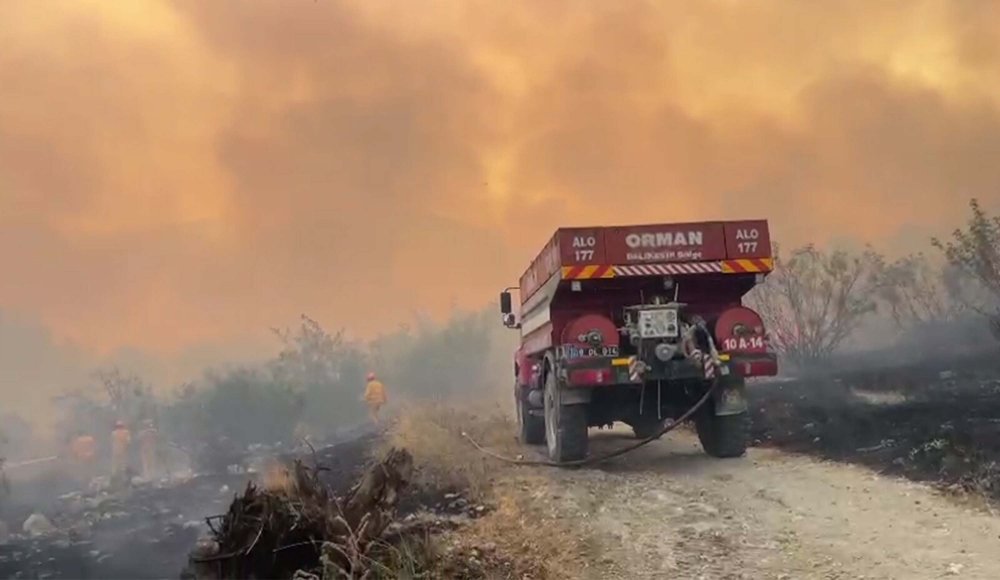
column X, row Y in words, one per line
column 177, row 173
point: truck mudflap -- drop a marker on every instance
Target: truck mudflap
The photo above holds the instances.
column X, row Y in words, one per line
column 730, row 395
column 753, row 365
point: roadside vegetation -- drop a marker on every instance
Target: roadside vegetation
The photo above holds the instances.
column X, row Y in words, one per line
column 310, row 390
column 923, row 408
column 817, row 302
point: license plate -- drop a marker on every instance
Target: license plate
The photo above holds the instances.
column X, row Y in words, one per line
column 590, row 351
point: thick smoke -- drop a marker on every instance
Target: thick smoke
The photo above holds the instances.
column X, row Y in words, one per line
column 179, row 173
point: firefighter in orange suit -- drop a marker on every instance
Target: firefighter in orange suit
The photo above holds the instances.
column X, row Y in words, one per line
column 374, row 397
column 84, row 448
column 83, row 451
column 121, row 439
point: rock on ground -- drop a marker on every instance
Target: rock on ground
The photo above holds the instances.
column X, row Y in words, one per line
column 37, row 525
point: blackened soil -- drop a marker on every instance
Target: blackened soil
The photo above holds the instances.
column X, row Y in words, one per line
column 927, row 423
column 145, row 533
column 149, row 532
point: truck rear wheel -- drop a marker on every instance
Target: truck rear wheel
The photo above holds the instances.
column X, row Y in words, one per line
column 722, row 435
column 532, row 427
column 565, row 425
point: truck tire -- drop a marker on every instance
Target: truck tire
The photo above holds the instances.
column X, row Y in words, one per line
column 723, row 435
column 565, row 425
column 532, row 427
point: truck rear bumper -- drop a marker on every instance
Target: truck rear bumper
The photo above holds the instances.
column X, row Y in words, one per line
column 607, row 371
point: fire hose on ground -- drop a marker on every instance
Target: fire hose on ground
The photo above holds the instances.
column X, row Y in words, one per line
column 670, row 426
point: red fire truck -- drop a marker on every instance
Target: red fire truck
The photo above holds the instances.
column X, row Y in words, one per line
column 635, row 324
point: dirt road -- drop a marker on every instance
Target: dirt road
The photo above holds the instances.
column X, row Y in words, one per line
column 668, row 510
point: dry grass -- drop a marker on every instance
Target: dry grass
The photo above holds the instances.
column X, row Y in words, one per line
column 443, row 458
column 517, row 538
column 521, row 537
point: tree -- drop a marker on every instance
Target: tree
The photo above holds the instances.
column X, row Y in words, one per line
column 246, row 406
column 114, row 396
column 438, row 360
column 975, row 252
column 314, row 381
column 310, row 355
column 232, row 409
column 131, row 399
column 814, row 300
column 326, row 369
column 917, row 294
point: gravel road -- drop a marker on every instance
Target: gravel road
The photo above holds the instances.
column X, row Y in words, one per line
column 668, row 510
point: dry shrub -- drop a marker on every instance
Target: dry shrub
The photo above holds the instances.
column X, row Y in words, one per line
column 443, row 458
column 975, row 251
column 815, row 300
column 298, row 523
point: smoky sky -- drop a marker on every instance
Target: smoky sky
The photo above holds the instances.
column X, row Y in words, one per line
column 177, row 173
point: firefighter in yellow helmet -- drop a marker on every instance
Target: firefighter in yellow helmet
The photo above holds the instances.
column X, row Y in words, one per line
column 375, row 397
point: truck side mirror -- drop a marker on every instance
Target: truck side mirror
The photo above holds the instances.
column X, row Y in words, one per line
column 505, row 305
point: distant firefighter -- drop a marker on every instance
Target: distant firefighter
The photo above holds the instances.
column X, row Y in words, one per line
column 375, row 397
column 83, row 448
column 121, row 439
column 149, row 448
column 83, row 453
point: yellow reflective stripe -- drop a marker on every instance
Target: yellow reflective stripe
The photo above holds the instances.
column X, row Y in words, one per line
column 619, row 362
column 743, row 266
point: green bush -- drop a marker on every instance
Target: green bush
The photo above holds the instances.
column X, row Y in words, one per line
column 313, row 385
column 469, row 356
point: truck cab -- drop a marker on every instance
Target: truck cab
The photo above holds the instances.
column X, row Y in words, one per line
column 633, row 324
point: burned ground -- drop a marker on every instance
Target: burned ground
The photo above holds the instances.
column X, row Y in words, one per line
column 140, row 534
column 934, row 421
column 148, row 531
